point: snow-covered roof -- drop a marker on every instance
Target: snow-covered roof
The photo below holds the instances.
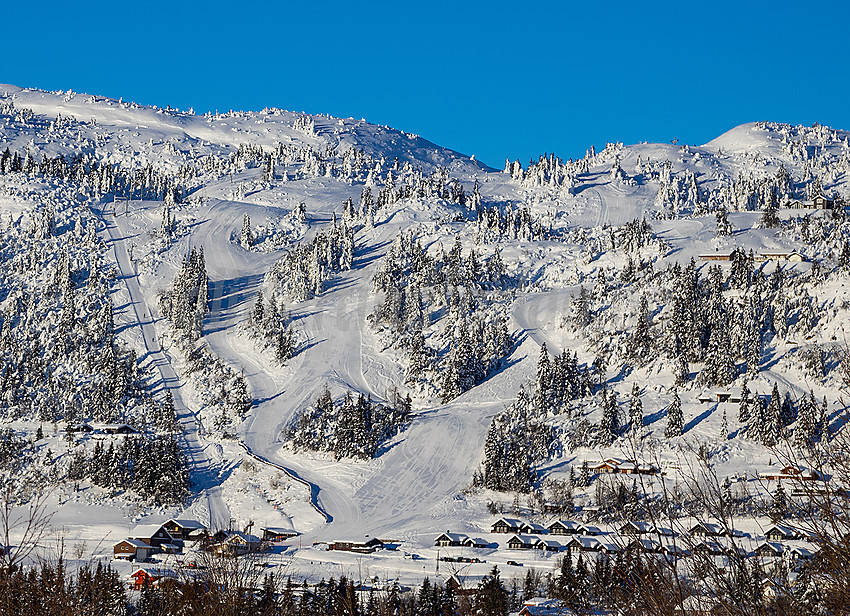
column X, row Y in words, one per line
column 187, row 524
column 453, row 536
column 148, row 531
column 133, row 542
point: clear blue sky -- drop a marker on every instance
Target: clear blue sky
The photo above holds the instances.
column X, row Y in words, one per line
column 493, row 79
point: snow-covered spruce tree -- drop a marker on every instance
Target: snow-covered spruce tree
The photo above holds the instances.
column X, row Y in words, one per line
column 518, row 439
column 349, row 428
column 636, row 411
column 186, row 302
column 675, row 419
column 301, row 272
column 610, row 424
column 246, row 236
column 724, row 227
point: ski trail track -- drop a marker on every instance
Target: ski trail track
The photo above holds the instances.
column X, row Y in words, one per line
column 134, row 315
column 422, row 470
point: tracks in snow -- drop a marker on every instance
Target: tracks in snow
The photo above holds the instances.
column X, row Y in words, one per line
column 203, row 472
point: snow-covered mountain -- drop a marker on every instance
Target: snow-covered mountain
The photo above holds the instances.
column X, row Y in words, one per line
column 418, row 282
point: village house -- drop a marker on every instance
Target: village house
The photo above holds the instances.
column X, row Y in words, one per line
column 792, row 472
column 818, row 202
column 645, row 546
column 576, row 545
column 706, row 529
column 522, row 542
column 707, row 547
column 276, row 534
column 153, row 577
column 120, row 428
column 131, row 549
column 768, row 549
column 778, row 532
column 238, row 543
column 566, row 527
column 548, row 545
column 644, row 528
column 541, row 606
column 154, row 535
column 506, row 525
column 532, row 528
column 478, row 542
column 448, row 539
column 185, row 530
column 361, row 546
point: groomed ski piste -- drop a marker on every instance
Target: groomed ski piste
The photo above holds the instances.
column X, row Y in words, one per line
column 420, row 484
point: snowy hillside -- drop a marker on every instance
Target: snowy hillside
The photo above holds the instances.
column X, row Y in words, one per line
column 391, row 381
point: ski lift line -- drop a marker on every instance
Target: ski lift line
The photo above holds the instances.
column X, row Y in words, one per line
column 313, row 500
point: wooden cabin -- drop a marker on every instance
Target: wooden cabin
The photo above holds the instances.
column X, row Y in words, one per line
column 185, row 529
column 276, row 534
column 131, row 549
column 154, row 535
column 448, row 539
column 153, row 577
column 522, row 542
column 361, row 546
column 506, row 526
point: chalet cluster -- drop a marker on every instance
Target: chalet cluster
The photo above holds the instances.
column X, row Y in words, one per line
column 818, row 202
column 772, row 255
column 576, row 538
column 175, row 535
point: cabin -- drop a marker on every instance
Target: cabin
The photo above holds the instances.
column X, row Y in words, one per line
column 645, row 546
column 81, row 427
column 576, row 545
column 531, row 528
column 506, row 526
column 732, row 395
column 644, row 528
column 565, row 527
column 153, row 577
column 131, row 549
column 541, row 606
column 522, row 542
column 478, row 542
column 185, row 530
column 707, row 547
column 154, row 535
column 782, row 533
column 360, row 546
column 238, row 544
column 706, row 529
column 548, row 545
column 448, row 539
column 768, row 549
column 716, row 256
column 274, row 534
column 822, row 203
column 608, row 465
column 792, row 472
column 782, row 255
column 121, row 428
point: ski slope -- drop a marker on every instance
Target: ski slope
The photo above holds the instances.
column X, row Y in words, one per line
column 418, row 485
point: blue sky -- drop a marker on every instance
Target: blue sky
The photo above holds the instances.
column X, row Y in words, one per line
column 498, row 79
